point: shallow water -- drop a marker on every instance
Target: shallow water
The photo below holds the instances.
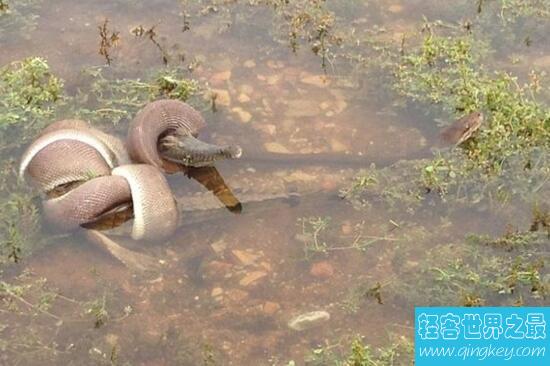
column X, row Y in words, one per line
column 229, row 283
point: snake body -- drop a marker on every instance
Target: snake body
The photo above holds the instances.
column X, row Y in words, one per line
column 104, row 173
column 158, row 119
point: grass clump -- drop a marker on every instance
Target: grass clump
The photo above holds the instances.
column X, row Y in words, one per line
column 503, row 271
column 443, row 70
column 30, row 95
column 115, row 99
column 399, row 352
column 446, row 71
column 396, row 186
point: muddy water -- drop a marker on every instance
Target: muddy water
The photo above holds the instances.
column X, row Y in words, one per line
column 229, row 283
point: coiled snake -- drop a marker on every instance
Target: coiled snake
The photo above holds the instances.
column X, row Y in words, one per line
column 86, row 173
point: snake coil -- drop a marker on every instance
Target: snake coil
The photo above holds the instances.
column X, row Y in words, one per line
column 103, row 173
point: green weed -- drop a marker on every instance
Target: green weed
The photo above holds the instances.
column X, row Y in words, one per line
column 30, row 95
column 399, row 352
column 113, row 99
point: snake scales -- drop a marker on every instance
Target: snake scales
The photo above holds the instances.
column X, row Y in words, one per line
column 86, row 173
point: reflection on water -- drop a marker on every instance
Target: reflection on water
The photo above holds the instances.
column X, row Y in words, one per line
column 228, row 283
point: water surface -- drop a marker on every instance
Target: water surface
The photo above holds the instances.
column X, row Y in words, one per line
column 229, row 283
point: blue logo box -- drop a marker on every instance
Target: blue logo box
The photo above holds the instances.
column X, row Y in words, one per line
column 489, row 336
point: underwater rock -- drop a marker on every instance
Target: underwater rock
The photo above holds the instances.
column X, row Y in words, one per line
column 267, row 129
column 252, row 278
column 216, row 292
column 302, row 108
column 222, row 97
column 272, row 79
column 249, row 64
column 347, row 228
column 245, row 258
column 322, row 270
column 243, row 115
column 275, row 147
column 308, row 320
column 243, row 98
column 270, row 307
column 395, row 8
column 319, row 81
column 220, row 78
column 272, row 64
column 337, row 146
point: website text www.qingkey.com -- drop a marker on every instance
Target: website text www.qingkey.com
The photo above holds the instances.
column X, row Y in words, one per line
column 482, row 352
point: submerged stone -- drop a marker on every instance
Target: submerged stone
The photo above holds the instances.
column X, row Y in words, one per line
column 275, row 147
column 308, row 320
column 252, row 278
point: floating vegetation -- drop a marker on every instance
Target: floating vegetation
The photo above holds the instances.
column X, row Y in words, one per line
column 296, row 23
column 312, row 229
column 98, row 309
column 19, row 225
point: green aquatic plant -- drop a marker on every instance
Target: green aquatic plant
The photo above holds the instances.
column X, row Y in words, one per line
column 48, row 313
column 318, row 237
column 311, row 22
column 498, row 271
column 398, row 352
column 113, row 99
column 30, row 96
column 98, row 309
column 360, row 293
column 301, row 23
column 19, row 217
column 312, row 231
column 396, row 186
column 445, row 69
column 4, row 7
